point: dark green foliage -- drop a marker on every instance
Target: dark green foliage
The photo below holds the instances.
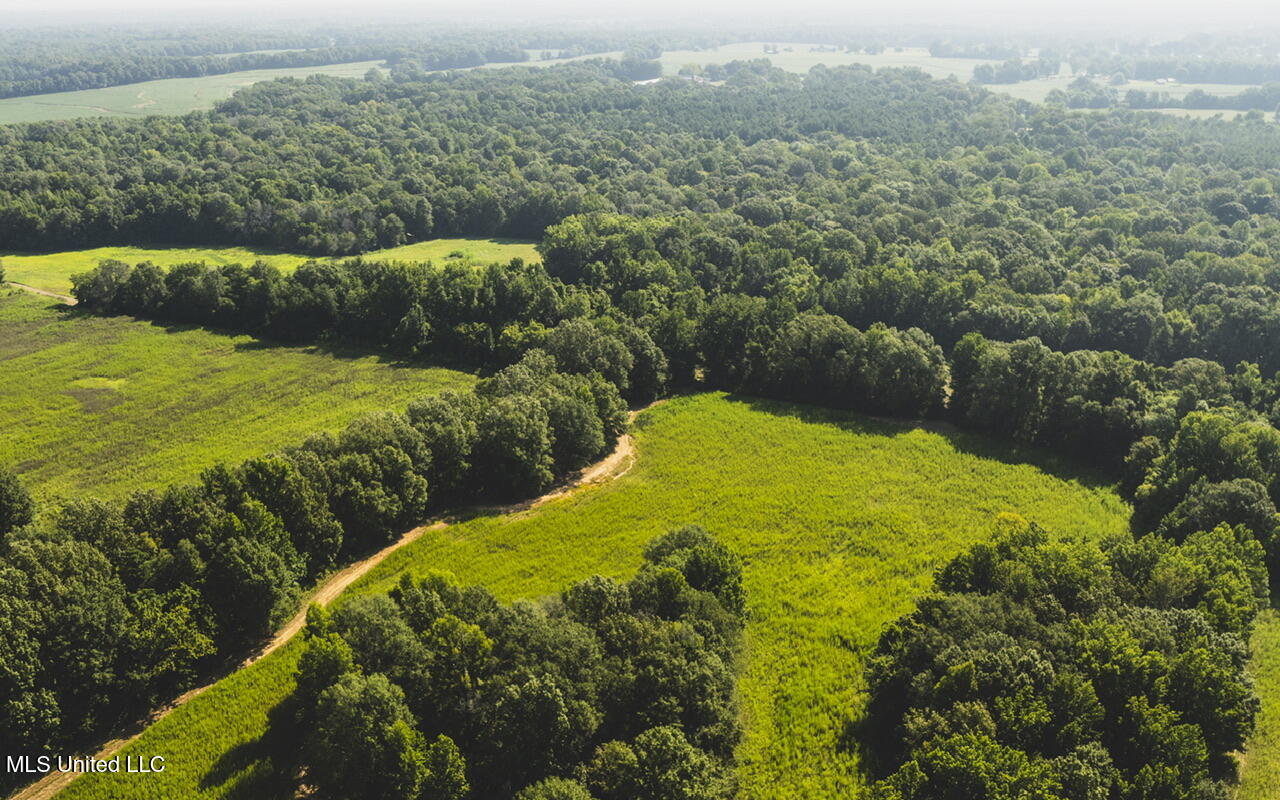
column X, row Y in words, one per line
column 16, row 506
column 1071, row 670
column 636, row 699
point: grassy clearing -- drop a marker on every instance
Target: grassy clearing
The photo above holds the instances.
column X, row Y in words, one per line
column 52, row 271
column 841, row 520
column 168, row 96
column 109, row 404
column 1036, row 91
column 797, row 57
column 1260, row 771
column 484, row 251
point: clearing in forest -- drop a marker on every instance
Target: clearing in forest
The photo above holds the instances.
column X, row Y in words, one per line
column 105, row 405
column 52, row 271
column 841, row 521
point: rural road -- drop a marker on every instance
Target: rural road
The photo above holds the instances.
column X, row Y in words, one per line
column 71, row 301
column 612, row 466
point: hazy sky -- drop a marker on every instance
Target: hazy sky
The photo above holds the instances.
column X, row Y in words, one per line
column 1055, row 14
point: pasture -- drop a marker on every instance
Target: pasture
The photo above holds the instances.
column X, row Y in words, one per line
column 52, row 271
column 105, row 405
column 841, row 521
column 167, row 96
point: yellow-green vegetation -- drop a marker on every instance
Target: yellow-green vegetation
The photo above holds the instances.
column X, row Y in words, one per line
column 841, row 521
column 105, row 405
column 168, row 96
column 52, row 271
column 484, row 251
column 1260, row 767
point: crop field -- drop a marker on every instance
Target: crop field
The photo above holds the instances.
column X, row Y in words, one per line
column 841, row 521
column 106, row 405
column 52, row 271
column 168, row 96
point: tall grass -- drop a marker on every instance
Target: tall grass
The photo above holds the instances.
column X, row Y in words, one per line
column 105, row 405
column 1260, row 767
column 52, row 271
column 841, row 521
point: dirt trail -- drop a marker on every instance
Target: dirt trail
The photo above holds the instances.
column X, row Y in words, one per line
column 612, row 466
column 71, row 301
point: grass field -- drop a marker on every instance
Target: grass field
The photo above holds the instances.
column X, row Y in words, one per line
column 168, row 96
column 798, row 57
column 1260, row 772
column 841, row 522
column 52, row 271
column 105, row 405
column 1036, row 91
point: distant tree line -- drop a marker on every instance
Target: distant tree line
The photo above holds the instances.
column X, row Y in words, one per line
column 616, row 690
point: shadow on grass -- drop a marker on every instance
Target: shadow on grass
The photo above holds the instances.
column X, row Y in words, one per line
column 262, row 767
column 975, row 444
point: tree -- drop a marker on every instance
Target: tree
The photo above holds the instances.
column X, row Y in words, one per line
column 364, row 742
column 17, row 509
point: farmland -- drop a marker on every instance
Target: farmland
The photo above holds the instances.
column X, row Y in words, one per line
column 840, row 520
column 52, row 271
column 109, row 405
column 168, row 96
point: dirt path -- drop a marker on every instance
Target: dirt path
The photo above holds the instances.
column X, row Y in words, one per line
column 71, row 301
column 612, row 466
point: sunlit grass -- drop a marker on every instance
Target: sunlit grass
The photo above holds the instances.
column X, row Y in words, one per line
column 841, row 521
column 1260, row 769
column 104, row 405
column 52, row 271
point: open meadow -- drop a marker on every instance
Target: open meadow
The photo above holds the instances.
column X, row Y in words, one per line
column 106, row 405
column 52, row 271
column 168, row 96
column 840, row 519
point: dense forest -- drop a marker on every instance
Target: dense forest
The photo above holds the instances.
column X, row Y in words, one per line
column 1103, row 285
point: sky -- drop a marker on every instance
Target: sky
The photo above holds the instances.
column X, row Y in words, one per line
column 1012, row 14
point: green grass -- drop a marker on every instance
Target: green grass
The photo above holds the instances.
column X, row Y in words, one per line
column 52, row 271
column 169, row 96
column 841, row 521
column 1260, row 770
column 105, row 405
column 483, row 251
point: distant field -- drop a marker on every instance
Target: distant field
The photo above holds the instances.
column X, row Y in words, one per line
column 52, row 271
column 169, row 96
column 841, row 522
column 799, row 57
column 104, row 405
column 1036, row 91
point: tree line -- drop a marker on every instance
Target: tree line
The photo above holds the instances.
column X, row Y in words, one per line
column 109, row 608
column 1050, row 669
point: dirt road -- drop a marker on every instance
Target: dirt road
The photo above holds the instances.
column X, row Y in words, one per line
column 612, row 466
column 71, row 301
